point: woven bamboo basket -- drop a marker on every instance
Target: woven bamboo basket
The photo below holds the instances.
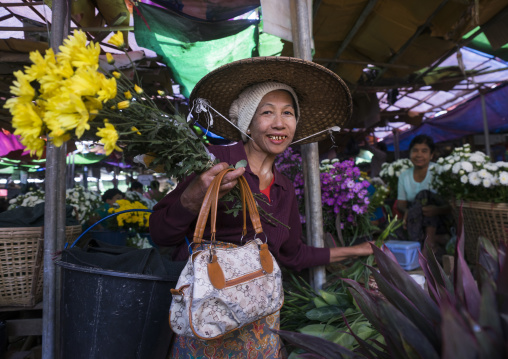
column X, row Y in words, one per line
column 21, row 264
column 482, row 219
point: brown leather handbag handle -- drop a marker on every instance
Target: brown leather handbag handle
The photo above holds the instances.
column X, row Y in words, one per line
column 247, row 196
column 210, row 202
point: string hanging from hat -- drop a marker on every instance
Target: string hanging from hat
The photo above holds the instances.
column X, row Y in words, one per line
column 201, row 105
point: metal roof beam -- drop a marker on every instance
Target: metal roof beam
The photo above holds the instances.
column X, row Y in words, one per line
column 464, row 42
column 358, row 24
column 380, row 64
column 411, row 39
column 87, row 29
column 16, row 4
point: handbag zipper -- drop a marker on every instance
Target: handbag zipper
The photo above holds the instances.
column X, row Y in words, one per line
column 245, row 278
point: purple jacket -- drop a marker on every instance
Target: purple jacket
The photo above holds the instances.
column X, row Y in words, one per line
column 170, row 222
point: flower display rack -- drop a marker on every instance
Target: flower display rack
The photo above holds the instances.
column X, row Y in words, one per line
column 482, row 219
column 21, row 264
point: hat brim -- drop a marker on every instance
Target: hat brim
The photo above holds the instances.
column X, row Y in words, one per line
column 324, row 99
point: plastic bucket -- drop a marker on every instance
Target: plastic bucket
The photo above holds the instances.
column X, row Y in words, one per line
column 108, row 314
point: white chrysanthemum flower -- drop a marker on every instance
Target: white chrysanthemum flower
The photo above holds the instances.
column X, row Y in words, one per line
column 487, row 182
column 447, row 167
column 474, row 179
column 440, row 160
column 467, row 166
column 491, row 167
column 484, row 174
column 390, row 171
column 503, row 177
column 456, row 167
column 397, row 173
column 477, row 157
column 462, row 172
column 464, row 179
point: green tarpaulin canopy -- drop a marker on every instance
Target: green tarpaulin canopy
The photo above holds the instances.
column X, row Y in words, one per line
column 193, row 48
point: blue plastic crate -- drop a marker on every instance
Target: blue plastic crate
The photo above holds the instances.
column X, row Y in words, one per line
column 406, row 253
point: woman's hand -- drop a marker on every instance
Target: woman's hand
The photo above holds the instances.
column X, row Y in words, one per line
column 338, row 254
column 193, row 196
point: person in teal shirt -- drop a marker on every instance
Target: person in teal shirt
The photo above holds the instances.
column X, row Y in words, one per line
column 426, row 216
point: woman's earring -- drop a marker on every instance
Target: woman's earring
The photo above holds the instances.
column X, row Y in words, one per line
column 248, row 131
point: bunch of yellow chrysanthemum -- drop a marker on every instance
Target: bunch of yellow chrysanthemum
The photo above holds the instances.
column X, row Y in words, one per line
column 134, row 220
column 60, row 94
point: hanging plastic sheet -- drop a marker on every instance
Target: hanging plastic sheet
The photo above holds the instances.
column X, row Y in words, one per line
column 207, row 10
column 463, row 121
column 192, row 48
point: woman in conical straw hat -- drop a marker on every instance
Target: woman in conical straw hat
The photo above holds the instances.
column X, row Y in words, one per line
column 265, row 104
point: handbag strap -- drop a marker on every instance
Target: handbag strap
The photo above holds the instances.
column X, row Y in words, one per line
column 210, row 204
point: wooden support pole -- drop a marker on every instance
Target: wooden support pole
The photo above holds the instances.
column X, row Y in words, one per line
column 310, row 156
column 54, row 211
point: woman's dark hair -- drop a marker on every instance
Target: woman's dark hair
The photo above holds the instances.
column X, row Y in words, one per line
column 154, row 185
column 423, row 139
column 136, row 185
column 110, row 193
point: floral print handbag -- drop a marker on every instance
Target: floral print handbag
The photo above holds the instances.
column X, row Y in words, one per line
column 224, row 289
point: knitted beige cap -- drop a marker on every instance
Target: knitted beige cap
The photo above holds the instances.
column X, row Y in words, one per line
column 242, row 109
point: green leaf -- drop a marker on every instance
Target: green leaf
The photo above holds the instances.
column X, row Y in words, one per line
column 329, row 298
column 241, row 163
column 323, row 314
column 318, row 302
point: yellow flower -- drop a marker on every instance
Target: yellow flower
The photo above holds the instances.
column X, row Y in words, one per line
column 35, row 145
column 117, row 74
column 60, row 140
column 41, row 65
column 108, row 88
column 85, row 82
column 67, row 111
column 109, row 137
column 161, row 93
column 134, row 129
column 77, row 52
column 122, row 105
column 110, row 58
column 93, row 105
column 117, row 40
column 138, row 89
column 22, row 87
column 28, row 124
column 127, row 95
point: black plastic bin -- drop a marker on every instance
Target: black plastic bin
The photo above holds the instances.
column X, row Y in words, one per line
column 109, row 314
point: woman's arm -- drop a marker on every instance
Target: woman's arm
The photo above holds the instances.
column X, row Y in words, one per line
column 174, row 215
column 341, row 253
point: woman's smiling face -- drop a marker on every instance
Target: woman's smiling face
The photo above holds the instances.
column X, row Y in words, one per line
column 420, row 155
column 274, row 123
